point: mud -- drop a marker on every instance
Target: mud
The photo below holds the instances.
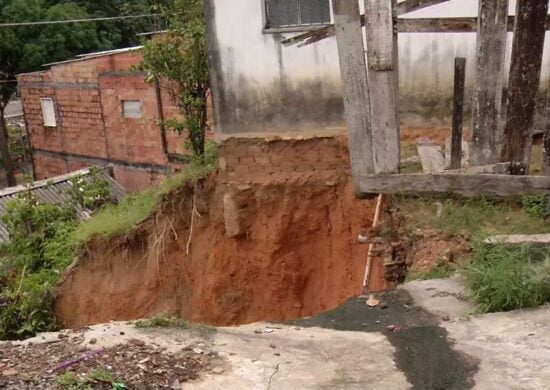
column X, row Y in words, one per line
column 422, row 349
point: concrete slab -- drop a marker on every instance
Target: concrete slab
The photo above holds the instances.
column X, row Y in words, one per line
column 443, row 298
column 300, row 358
column 519, row 239
column 267, row 356
column 513, row 348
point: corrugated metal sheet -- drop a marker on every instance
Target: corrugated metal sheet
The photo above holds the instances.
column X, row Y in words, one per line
column 54, row 190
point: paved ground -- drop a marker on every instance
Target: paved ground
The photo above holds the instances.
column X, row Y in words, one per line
column 513, row 348
column 443, row 347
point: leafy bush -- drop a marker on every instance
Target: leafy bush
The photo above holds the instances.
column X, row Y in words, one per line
column 501, row 278
column 39, row 250
column 90, row 191
column 535, row 205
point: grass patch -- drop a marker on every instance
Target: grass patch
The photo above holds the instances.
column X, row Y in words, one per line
column 133, row 209
column 439, row 271
column 161, row 321
column 71, row 381
column 478, row 216
column 501, row 278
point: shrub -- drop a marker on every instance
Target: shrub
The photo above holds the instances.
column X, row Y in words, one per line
column 39, row 250
column 535, row 205
column 501, row 278
column 90, row 191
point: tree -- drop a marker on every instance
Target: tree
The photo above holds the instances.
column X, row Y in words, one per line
column 178, row 61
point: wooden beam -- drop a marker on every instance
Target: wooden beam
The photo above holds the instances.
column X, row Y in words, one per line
column 499, row 168
column 416, row 25
column 353, row 69
column 382, row 84
column 466, row 185
column 458, row 113
column 414, row 5
column 525, row 70
column 487, row 100
column 429, row 25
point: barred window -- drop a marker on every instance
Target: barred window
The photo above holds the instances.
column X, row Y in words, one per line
column 297, row 13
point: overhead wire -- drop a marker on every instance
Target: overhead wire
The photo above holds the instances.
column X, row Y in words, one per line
column 68, row 21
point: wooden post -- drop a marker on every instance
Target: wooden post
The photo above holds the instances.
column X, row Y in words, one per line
column 458, row 113
column 487, row 102
column 347, row 22
column 382, row 85
column 527, row 50
column 546, row 141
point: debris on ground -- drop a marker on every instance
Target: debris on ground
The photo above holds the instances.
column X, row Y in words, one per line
column 372, row 301
column 68, row 363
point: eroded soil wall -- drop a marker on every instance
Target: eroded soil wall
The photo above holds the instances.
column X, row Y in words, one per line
column 260, row 250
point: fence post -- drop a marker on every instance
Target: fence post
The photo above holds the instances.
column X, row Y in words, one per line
column 458, row 113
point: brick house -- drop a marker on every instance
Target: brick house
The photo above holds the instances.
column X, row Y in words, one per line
column 97, row 110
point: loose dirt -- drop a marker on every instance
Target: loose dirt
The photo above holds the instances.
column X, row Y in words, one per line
column 65, row 364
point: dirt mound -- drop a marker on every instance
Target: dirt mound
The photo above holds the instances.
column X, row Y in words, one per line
column 257, row 252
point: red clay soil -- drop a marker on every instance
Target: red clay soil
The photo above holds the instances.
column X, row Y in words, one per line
column 298, row 257
column 438, row 134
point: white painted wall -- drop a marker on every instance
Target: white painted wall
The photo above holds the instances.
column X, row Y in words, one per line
column 253, row 58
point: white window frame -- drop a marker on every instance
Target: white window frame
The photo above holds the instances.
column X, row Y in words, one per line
column 47, row 106
column 298, row 28
column 132, row 113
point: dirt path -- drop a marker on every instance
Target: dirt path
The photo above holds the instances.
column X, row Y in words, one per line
column 419, row 337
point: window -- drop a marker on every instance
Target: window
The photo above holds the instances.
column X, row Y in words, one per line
column 296, row 13
column 48, row 112
column 131, row 108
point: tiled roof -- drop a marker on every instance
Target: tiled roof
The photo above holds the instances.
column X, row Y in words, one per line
column 53, row 190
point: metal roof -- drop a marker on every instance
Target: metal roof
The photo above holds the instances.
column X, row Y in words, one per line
column 53, row 190
column 89, row 56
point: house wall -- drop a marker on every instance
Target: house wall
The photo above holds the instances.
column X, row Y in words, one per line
column 91, row 128
column 261, row 86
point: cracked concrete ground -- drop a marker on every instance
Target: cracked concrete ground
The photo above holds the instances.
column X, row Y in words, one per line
column 512, row 349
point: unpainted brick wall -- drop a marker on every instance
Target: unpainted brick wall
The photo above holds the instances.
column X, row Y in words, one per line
column 136, row 179
column 88, row 97
column 257, row 160
column 131, row 139
column 46, row 166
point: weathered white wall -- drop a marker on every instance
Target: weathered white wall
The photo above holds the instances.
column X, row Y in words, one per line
column 267, row 87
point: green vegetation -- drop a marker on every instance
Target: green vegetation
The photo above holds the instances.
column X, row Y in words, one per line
column 39, row 249
column 501, row 278
column 71, row 381
column 498, row 277
column 178, row 60
column 134, row 209
column 479, row 217
column 161, row 321
column 535, row 205
column 440, row 271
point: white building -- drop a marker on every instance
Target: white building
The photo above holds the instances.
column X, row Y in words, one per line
column 261, row 86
